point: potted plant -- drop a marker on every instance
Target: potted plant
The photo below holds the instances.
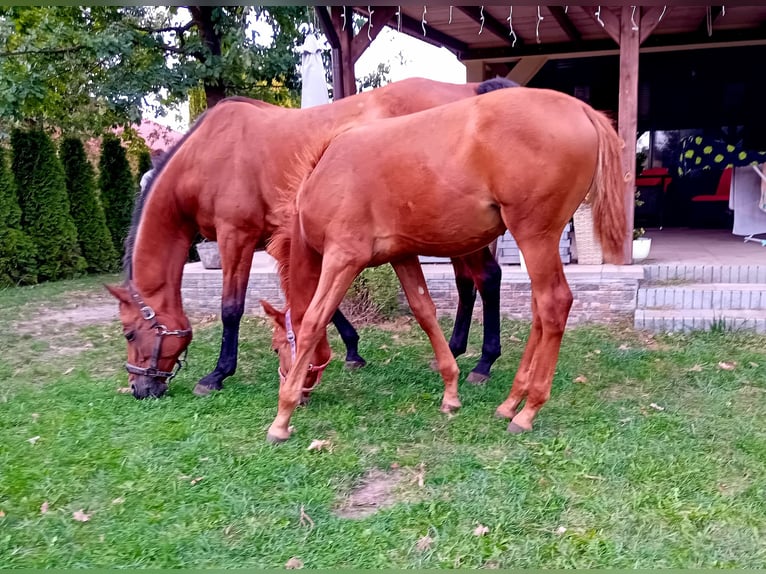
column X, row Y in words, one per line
column 209, row 254
column 641, row 244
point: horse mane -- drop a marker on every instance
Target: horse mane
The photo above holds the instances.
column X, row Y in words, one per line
column 493, row 84
column 143, row 196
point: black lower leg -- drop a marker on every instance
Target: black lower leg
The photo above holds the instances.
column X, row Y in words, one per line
column 467, row 297
column 350, row 339
column 231, row 316
column 490, row 297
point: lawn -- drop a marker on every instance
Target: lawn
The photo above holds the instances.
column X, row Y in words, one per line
column 650, row 453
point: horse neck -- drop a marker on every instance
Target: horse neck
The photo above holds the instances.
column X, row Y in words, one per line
column 160, row 250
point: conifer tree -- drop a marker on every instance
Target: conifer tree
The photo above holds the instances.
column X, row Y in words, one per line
column 88, row 214
column 17, row 252
column 118, row 190
column 45, row 217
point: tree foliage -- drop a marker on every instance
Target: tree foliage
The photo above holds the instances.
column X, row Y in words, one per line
column 44, row 205
column 118, row 189
column 17, row 252
column 88, row 214
column 86, row 68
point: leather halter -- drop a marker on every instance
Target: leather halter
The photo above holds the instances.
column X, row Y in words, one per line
column 312, row 368
column 161, row 331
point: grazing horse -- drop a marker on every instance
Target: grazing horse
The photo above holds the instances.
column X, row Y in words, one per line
column 446, row 182
column 223, row 180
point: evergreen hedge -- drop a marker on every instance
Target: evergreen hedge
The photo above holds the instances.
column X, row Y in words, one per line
column 18, row 263
column 45, row 217
column 86, row 210
column 144, row 162
column 118, row 189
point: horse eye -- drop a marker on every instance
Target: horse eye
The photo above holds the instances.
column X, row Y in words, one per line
column 130, row 335
column 276, row 351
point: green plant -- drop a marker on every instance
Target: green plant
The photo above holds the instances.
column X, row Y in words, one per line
column 118, row 189
column 18, row 263
column 373, row 296
column 45, row 216
column 87, row 212
column 638, row 232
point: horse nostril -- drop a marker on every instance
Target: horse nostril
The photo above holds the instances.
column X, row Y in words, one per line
column 132, row 387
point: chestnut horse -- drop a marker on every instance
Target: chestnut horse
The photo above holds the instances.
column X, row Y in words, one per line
column 446, row 182
column 222, row 179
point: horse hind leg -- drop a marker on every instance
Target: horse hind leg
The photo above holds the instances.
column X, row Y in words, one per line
column 553, row 300
column 236, row 251
column 414, row 284
column 350, row 339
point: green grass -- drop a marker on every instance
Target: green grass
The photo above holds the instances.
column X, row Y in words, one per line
column 632, row 485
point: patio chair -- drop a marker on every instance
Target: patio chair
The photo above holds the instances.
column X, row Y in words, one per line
column 712, row 210
column 652, row 185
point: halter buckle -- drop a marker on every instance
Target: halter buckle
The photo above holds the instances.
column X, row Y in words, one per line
column 147, row 312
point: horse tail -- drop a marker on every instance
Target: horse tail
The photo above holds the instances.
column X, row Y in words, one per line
column 607, row 189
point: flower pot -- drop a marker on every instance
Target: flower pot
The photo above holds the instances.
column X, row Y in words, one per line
column 641, row 247
column 209, row 254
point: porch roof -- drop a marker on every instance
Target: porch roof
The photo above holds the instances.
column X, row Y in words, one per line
column 565, row 31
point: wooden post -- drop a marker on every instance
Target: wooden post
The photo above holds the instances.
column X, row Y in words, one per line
column 627, row 121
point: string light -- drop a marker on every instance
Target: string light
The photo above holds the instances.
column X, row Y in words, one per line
column 450, row 15
column 537, row 27
column 343, row 15
column 398, row 18
column 369, row 23
column 481, row 17
column 423, row 21
column 633, row 24
column 662, row 14
column 510, row 23
column 598, row 16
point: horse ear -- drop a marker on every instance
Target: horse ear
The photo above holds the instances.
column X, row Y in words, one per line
column 120, row 293
column 277, row 316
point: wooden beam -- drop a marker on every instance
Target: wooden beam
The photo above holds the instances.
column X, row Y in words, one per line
column 344, row 80
column 565, row 23
column 611, row 23
column 649, row 21
column 381, row 16
column 627, row 121
column 715, row 12
column 526, row 69
column 498, row 69
column 325, row 24
column 490, row 22
column 474, row 71
column 412, row 27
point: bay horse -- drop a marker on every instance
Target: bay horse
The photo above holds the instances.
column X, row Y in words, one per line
column 222, row 179
column 446, row 182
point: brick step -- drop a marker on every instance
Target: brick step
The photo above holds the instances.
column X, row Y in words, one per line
column 704, row 296
column 706, row 273
column 663, row 320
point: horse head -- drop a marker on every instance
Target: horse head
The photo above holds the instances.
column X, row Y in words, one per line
column 156, row 343
column 284, row 344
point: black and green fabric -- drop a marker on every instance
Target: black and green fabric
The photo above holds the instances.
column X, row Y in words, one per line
column 698, row 152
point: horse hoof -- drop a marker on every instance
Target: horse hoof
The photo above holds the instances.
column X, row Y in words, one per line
column 513, row 428
column 448, row 409
column 477, row 378
column 275, row 439
column 353, row 365
column 203, row 390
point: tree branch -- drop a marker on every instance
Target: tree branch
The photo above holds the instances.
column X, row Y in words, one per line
column 177, row 29
column 42, row 51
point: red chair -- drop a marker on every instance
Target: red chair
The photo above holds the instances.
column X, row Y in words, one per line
column 723, row 190
column 654, row 177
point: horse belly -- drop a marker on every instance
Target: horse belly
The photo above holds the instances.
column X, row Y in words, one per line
column 449, row 231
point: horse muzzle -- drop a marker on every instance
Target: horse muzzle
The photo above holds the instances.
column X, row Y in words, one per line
column 143, row 386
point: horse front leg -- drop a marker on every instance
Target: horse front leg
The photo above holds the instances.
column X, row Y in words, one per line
column 236, row 258
column 336, row 276
column 350, row 338
column 487, row 278
column 414, row 284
